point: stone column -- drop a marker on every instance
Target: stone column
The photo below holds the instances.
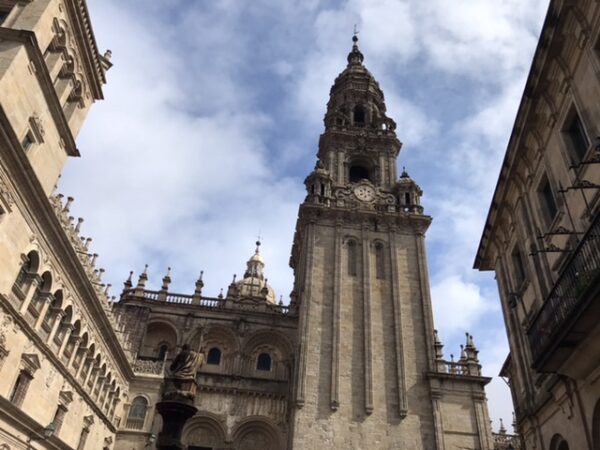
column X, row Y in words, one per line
column 84, row 359
column 65, row 341
column 47, row 298
column 31, row 290
column 59, row 315
column 366, row 289
column 77, row 340
column 336, row 319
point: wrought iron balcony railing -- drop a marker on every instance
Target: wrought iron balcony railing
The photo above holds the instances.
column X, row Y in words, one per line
column 569, row 296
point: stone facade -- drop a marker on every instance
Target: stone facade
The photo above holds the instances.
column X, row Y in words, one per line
column 541, row 237
column 353, row 361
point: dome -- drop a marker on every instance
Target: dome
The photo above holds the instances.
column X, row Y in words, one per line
column 254, row 284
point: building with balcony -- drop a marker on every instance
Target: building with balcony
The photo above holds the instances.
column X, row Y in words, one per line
column 542, row 236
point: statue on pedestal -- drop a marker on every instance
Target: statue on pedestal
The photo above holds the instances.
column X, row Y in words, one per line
column 177, row 404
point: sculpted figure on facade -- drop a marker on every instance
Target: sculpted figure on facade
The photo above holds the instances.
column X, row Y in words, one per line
column 186, row 364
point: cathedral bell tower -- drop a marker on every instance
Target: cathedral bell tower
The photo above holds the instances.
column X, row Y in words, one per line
column 365, row 334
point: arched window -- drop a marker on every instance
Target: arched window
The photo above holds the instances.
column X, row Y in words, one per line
column 407, row 198
column 379, row 261
column 263, row 362
column 358, row 173
column 163, row 351
column 214, row 356
column 137, row 413
column 352, row 253
column 359, row 116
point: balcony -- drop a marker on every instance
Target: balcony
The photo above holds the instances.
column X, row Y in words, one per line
column 571, row 309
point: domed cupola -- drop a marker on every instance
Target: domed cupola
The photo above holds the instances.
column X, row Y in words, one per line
column 318, row 185
column 254, row 284
column 356, row 101
column 408, row 194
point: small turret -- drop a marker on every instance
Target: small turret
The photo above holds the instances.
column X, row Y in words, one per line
column 408, row 193
column 318, row 185
column 198, row 290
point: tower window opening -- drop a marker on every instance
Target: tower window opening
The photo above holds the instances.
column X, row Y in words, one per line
column 263, row 362
column 214, row 356
column 322, row 189
column 407, row 198
column 359, row 116
column 358, row 173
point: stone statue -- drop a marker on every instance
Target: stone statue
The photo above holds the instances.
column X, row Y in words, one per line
column 186, row 364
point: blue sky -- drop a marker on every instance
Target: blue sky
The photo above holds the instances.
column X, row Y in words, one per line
column 212, row 117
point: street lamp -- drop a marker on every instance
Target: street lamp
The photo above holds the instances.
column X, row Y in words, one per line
column 46, row 433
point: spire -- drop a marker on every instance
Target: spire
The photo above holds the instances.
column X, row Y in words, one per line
column 198, row 291
column 141, row 285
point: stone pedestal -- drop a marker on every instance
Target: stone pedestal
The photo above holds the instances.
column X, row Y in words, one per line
column 176, row 407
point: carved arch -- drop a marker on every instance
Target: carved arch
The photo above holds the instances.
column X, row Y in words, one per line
column 257, row 433
column 205, row 430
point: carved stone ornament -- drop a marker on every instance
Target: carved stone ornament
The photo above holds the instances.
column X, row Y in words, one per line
column 6, row 195
column 37, row 127
column 30, row 363
column 65, row 397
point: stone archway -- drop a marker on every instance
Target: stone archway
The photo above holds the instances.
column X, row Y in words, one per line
column 256, row 434
column 204, row 433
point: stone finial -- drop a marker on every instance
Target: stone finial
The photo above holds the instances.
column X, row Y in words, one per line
column 220, row 294
column 439, row 352
column 78, row 226
column 142, row 281
column 67, row 206
column 198, row 291
column 107, row 54
column 93, row 259
column 280, row 300
column 166, row 280
column 87, row 243
column 100, row 273
column 502, row 430
column 107, row 288
column 128, row 284
column 463, row 355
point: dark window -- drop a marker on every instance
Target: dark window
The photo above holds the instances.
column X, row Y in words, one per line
column 263, row 362
column 548, row 200
column 163, row 351
column 358, row 173
column 27, row 142
column 563, row 446
column 20, row 388
column 214, row 356
column 322, row 189
column 137, row 413
column 577, row 137
column 359, row 116
column 58, row 418
column 519, row 266
column 407, row 198
column 352, row 258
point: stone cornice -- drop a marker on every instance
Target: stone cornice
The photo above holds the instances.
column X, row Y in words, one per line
column 88, row 50
column 482, row 381
column 29, row 41
column 56, row 362
column 42, row 217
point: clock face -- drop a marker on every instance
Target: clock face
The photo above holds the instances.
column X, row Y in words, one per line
column 364, row 193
